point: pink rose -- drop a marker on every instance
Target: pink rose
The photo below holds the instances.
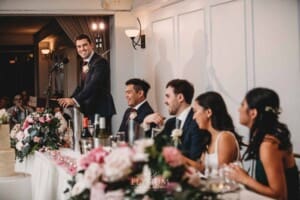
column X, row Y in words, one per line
column 29, row 120
column 84, row 162
column 172, row 156
column 42, row 119
column 25, row 124
column 96, row 155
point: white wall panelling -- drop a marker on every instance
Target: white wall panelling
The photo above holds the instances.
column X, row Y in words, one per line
column 227, row 72
column 192, row 49
column 163, row 55
column 229, row 46
column 276, row 34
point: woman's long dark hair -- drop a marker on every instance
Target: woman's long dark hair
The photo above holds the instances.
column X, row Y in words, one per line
column 220, row 118
column 266, row 102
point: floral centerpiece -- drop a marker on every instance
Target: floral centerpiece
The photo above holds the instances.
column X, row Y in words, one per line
column 38, row 131
column 150, row 169
column 4, row 117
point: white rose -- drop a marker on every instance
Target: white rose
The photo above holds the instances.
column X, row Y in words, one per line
column 20, row 135
column 141, row 145
column 145, row 185
column 114, row 195
column 15, row 130
column 78, row 188
column 63, row 123
column 176, row 133
column 26, row 133
column 117, row 164
column 140, row 157
column 19, row 146
column 92, row 173
column 132, row 115
column 85, row 69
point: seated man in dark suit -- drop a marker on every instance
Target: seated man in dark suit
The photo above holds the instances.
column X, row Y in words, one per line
column 178, row 98
column 136, row 93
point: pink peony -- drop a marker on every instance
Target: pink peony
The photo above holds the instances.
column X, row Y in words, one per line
column 96, row 155
column 172, row 156
column 84, row 162
column 42, row 120
column 25, row 124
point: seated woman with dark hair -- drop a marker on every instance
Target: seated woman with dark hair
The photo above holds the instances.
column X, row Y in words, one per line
column 211, row 114
column 270, row 148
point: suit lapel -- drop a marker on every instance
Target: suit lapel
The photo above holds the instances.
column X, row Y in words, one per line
column 186, row 126
column 188, row 120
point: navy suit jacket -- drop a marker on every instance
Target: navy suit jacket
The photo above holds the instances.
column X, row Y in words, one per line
column 193, row 140
column 144, row 110
column 93, row 95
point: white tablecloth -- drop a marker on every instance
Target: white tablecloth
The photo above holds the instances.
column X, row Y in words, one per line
column 50, row 180
column 15, row 187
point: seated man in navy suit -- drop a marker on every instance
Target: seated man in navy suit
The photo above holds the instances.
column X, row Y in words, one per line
column 136, row 93
column 178, row 97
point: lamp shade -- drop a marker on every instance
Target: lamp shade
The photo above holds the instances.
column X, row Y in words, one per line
column 132, row 33
column 45, row 51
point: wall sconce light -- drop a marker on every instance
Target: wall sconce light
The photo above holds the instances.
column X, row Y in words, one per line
column 45, row 51
column 133, row 33
column 98, row 28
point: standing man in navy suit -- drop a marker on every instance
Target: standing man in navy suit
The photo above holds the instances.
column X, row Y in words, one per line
column 136, row 93
column 178, row 97
column 93, row 94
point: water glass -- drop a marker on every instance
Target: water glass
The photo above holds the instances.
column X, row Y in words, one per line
column 113, row 141
column 155, row 132
column 120, row 137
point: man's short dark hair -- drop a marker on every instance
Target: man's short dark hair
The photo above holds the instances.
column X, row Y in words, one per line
column 183, row 87
column 139, row 84
column 83, row 36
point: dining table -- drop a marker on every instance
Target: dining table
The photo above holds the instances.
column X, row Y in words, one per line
column 49, row 177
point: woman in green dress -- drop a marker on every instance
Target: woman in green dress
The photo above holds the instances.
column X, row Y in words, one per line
column 270, row 149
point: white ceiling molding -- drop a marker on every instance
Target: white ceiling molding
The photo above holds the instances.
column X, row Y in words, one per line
column 153, row 4
column 117, row 5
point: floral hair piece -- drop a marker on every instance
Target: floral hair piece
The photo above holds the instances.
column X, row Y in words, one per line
column 273, row 110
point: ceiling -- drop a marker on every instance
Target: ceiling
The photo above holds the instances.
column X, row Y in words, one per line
column 19, row 30
column 22, row 24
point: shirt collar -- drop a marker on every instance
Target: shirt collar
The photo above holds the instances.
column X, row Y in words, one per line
column 89, row 58
column 183, row 115
column 139, row 105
